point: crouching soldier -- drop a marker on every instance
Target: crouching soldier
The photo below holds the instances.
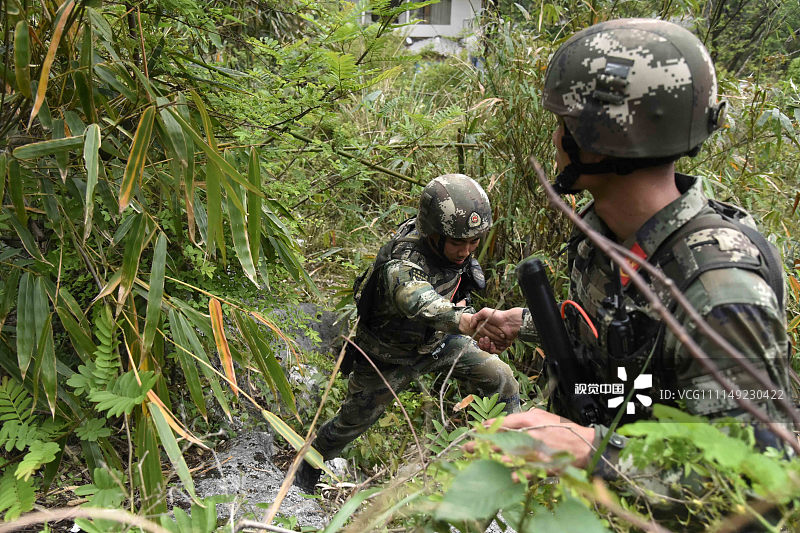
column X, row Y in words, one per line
column 414, row 316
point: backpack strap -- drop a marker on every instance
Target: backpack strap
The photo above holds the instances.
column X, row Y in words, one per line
column 673, row 256
column 681, row 264
column 365, row 285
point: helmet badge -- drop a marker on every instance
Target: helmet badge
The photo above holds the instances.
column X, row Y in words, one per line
column 474, row 220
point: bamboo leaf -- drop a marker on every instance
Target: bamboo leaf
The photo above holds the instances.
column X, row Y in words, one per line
column 110, row 286
column 213, row 155
column 81, row 340
column 295, row 440
column 254, row 206
column 172, row 421
column 90, row 157
column 348, row 509
column 16, row 192
column 106, row 72
column 62, row 157
column 155, row 293
column 190, row 373
column 205, row 367
column 26, row 238
column 100, row 24
column 3, row 167
column 171, row 447
column 201, row 108
column 10, row 286
column 22, row 58
column 222, row 342
column 264, row 358
column 130, row 259
column 39, row 149
column 44, row 368
column 137, row 157
column 188, row 174
column 26, row 323
column 243, row 323
column 239, row 234
column 44, row 77
column 47, row 365
column 214, row 208
column 83, row 87
column 174, row 134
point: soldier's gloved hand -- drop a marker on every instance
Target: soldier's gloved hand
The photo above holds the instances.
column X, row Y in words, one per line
column 501, row 327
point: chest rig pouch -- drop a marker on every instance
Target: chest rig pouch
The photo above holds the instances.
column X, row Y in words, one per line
column 626, row 336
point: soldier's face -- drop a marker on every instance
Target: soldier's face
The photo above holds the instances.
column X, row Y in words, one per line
column 457, row 250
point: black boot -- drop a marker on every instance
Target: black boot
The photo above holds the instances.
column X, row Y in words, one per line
column 307, row 477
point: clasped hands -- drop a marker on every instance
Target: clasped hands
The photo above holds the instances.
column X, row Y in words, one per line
column 494, row 329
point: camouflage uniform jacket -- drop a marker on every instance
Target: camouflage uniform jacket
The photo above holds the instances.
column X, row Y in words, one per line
column 413, row 308
column 736, row 302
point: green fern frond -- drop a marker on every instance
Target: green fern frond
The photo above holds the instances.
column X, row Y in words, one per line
column 342, row 68
column 482, row 409
column 16, row 495
column 106, row 360
column 93, row 429
column 15, row 402
column 83, row 380
column 124, row 394
column 14, row 434
column 106, row 491
column 40, row 454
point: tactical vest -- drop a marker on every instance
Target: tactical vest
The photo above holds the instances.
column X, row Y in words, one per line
column 713, row 239
column 380, row 340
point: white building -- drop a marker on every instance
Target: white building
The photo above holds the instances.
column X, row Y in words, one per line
column 448, row 18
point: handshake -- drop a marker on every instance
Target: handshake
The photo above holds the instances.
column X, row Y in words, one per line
column 494, row 329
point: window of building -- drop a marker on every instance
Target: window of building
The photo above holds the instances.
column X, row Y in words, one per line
column 435, row 13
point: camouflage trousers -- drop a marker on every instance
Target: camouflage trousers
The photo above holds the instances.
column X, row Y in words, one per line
column 368, row 396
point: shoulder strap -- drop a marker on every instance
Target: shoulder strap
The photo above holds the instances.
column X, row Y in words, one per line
column 365, row 284
column 769, row 266
column 724, row 216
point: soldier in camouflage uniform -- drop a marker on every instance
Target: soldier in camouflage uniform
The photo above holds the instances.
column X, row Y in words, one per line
column 414, row 316
column 632, row 96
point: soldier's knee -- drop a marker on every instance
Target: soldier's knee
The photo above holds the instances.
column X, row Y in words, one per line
column 507, row 385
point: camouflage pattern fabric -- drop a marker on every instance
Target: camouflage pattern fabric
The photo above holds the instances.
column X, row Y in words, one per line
column 413, row 330
column 368, row 396
column 634, row 88
column 736, row 302
column 413, row 308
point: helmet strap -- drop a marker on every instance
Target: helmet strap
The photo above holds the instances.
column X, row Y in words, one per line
column 436, row 244
column 566, row 179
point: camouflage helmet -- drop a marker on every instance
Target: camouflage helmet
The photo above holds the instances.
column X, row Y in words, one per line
column 455, row 206
column 634, row 88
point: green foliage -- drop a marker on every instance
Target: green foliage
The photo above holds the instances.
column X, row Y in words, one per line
column 569, row 516
column 725, row 450
column 202, row 518
column 793, row 72
column 482, row 409
column 20, row 426
column 92, row 430
column 39, row 454
column 479, row 491
column 442, row 439
column 124, row 393
column 16, row 495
